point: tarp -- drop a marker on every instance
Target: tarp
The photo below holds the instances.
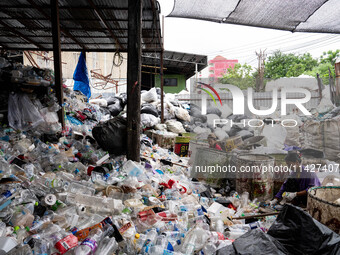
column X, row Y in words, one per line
column 81, row 77
column 295, row 15
column 254, row 242
column 300, row 234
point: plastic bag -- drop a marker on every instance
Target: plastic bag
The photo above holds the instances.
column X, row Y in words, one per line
column 221, row 134
column 99, row 101
column 150, row 96
column 111, row 135
column 182, row 114
column 22, row 113
column 148, row 120
column 149, row 109
column 299, row 233
column 114, row 109
column 175, row 126
column 254, row 242
column 14, row 113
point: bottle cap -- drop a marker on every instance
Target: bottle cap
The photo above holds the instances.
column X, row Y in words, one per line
column 137, row 236
column 50, row 199
column 16, row 228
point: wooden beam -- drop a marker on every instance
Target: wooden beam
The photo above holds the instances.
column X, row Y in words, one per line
column 102, row 19
column 64, row 30
column 134, row 79
column 15, row 31
column 58, row 77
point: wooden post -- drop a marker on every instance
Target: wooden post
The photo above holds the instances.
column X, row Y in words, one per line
column 162, row 86
column 58, row 77
column 134, row 79
column 162, row 73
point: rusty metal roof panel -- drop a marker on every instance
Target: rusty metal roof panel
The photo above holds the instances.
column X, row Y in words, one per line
column 26, row 23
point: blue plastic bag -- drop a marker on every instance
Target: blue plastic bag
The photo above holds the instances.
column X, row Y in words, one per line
column 81, row 77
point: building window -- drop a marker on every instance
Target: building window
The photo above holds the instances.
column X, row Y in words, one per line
column 171, row 82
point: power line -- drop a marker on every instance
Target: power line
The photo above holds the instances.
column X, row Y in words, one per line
column 265, row 44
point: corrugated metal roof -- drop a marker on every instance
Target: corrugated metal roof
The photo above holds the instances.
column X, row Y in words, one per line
column 175, row 62
column 25, row 24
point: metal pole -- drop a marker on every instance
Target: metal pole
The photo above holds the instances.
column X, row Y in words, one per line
column 58, row 77
column 134, row 79
column 162, row 73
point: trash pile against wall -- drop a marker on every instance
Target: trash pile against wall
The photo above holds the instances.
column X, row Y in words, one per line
column 73, row 191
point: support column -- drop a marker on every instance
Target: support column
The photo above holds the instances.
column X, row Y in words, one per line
column 162, row 86
column 58, row 77
column 162, row 72
column 134, row 79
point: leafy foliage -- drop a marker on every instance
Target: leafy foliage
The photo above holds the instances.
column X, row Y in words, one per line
column 240, row 76
column 329, row 57
column 288, row 65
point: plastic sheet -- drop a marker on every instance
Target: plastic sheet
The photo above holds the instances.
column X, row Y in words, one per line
column 299, row 233
column 81, row 77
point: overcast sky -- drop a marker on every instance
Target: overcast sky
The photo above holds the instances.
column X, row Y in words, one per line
column 236, row 41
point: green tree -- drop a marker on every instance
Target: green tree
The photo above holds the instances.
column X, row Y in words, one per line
column 329, row 56
column 288, row 65
column 240, row 76
column 326, row 63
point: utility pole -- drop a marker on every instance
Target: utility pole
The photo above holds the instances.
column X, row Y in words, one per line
column 261, row 56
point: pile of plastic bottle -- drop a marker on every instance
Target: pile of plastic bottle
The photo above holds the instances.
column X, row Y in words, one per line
column 72, row 198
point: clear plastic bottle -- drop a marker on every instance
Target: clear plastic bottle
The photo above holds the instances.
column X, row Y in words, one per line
column 107, row 246
column 160, row 246
column 21, row 250
column 6, row 195
column 189, row 244
column 219, row 226
column 150, row 240
column 132, row 168
column 140, row 242
column 90, row 244
column 40, row 247
column 3, row 229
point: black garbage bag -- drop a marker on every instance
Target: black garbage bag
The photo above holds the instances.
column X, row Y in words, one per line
column 149, row 109
column 115, row 106
column 234, row 130
column 123, row 97
column 111, row 100
column 104, row 110
column 214, row 110
column 254, row 242
column 301, row 234
column 114, row 109
column 111, row 135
